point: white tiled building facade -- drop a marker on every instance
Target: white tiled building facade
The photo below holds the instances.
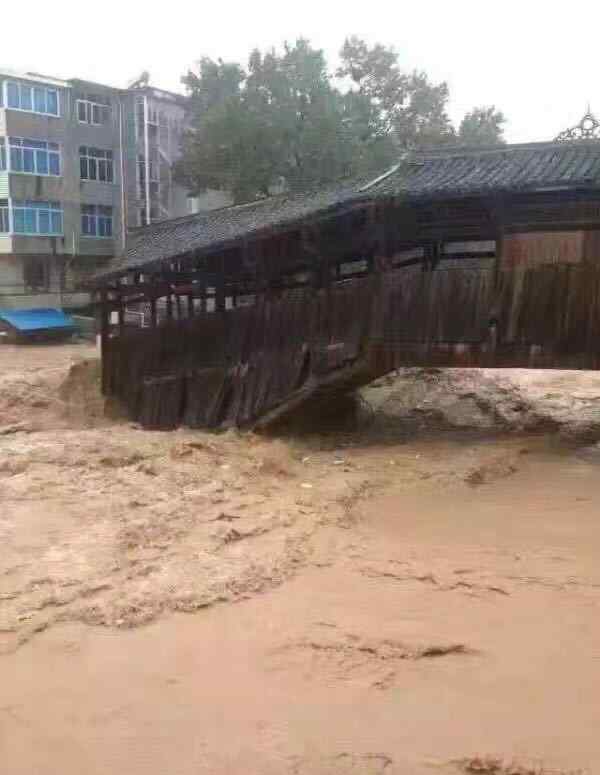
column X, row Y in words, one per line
column 80, row 164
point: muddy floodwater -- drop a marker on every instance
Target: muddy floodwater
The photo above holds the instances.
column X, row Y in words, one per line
column 176, row 604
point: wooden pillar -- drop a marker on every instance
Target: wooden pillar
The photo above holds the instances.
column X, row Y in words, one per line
column 153, row 318
column 190, row 305
column 104, row 332
column 169, row 306
column 321, row 261
column 380, row 232
column 121, row 314
column 220, row 287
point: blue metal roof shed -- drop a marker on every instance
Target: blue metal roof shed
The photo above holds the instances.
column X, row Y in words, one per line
column 27, row 322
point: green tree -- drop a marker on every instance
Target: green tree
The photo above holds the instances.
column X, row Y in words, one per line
column 482, row 126
column 215, row 83
column 405, row 106
column 285, row 121
column 281, row 120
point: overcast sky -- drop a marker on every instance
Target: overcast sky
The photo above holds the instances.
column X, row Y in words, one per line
column 536, row 61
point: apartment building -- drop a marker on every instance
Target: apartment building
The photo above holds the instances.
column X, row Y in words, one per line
column 80, row 164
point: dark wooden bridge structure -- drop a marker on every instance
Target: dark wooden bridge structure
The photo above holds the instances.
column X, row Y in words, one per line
column 452, row 258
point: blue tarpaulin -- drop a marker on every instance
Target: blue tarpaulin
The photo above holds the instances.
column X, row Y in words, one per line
column 28, row 321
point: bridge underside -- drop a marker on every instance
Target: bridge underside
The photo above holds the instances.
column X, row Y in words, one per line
column 244, row 335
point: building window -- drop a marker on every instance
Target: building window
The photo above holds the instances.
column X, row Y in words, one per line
column 96, row 221
column 4, row 218
column 33, row 99
column 96, row 164
column 89, row 112
column 36, row 157
column 2, row 155
column 32, row 217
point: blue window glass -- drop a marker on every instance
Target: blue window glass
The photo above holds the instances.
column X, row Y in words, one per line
column 57, row 227
column 19, row 220
column 39, row 100
column 96, row 220
column 12, row 96
column 4, row 219
column 41, row 162
column 30, row 222
column 16, row 159
column 25, row 97
column 54, row 163
column 52, row 102
column 28, row 161
column 36, row 99
column 44, row 221
column 32, row 217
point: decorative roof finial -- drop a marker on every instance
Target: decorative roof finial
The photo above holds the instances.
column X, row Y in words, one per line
column 587, row 129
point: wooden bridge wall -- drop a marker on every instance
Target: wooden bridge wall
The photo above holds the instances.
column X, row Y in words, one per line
column 238, row 365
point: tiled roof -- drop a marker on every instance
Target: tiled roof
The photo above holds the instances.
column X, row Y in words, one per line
column 165, row 240
column 509, row 168
column 442, row 173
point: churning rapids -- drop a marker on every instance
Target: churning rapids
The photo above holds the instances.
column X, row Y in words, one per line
column 419, row 593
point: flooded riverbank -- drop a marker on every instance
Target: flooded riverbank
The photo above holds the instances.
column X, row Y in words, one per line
column 181, row 603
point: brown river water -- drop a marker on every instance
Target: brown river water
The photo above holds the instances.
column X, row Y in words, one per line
column 442, row 625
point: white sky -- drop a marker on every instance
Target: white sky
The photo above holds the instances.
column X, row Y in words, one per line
column 537, row 61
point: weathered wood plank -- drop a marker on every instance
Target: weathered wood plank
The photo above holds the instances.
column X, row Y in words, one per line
column 242, row 364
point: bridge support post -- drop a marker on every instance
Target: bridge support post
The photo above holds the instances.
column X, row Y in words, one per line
column 104, row 325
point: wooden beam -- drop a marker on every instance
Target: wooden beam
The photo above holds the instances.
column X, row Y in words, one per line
column 220, row 289
column 121, row 314
column 104, row 333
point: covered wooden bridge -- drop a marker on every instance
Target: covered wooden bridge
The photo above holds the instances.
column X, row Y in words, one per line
column 453, row 257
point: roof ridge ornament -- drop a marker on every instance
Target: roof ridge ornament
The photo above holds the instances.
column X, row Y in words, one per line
column 587, row 129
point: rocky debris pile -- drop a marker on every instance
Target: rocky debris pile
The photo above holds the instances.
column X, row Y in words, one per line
column 567, row 402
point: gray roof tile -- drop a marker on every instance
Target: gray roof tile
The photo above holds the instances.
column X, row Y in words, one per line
column 441, row 173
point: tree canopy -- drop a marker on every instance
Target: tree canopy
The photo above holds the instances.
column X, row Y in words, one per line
column 482, row 126
column 285, row 121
